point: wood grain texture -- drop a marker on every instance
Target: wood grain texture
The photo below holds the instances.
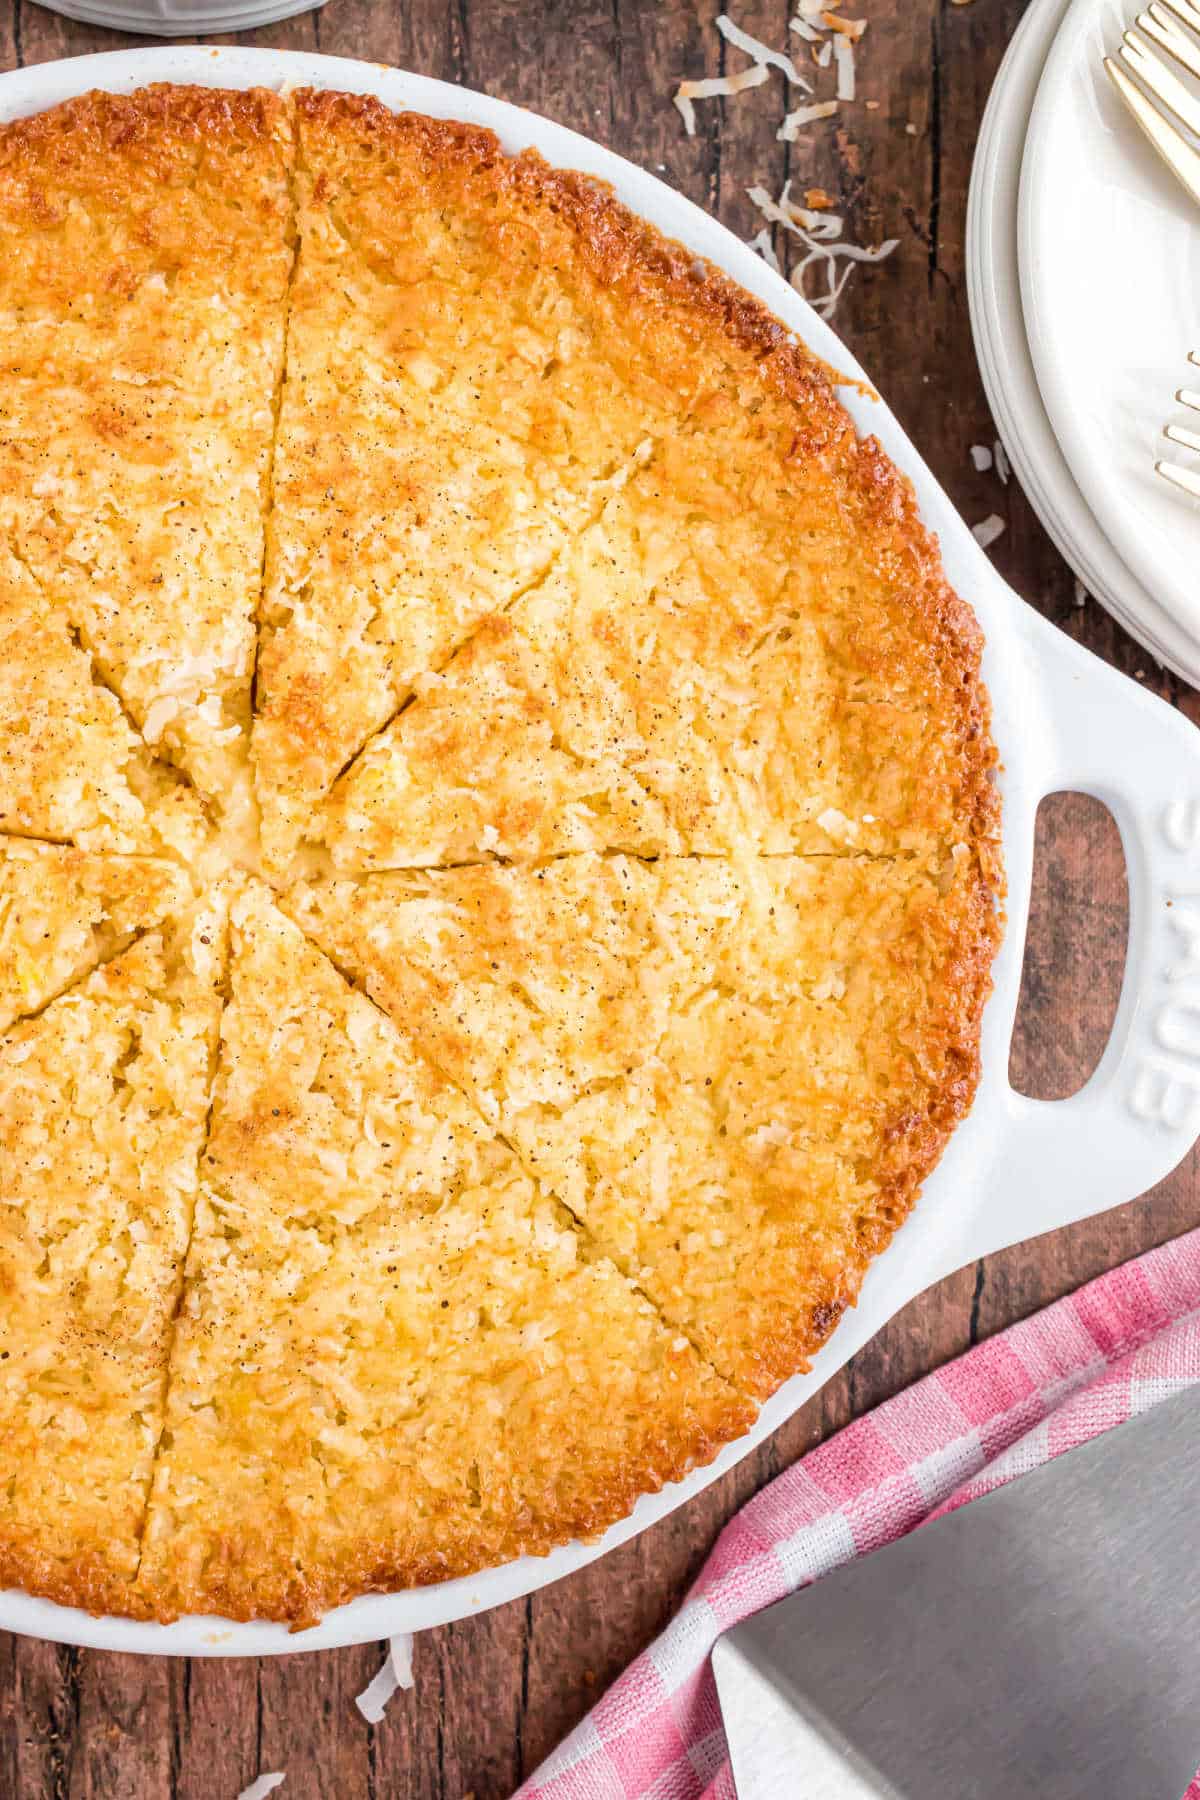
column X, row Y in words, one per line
column 494, row 1694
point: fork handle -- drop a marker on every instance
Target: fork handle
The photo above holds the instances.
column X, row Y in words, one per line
column 1179, row 156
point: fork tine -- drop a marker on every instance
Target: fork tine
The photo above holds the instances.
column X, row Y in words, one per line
column 1177, row 154
column 1189, row 397
column 1186, row 11
column 1187, row 479
column 1154, row 73
column 1158, row 24
column 1178, row 434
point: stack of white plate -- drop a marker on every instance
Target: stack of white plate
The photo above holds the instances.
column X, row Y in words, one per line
column 1083, row 260
column 181, row 18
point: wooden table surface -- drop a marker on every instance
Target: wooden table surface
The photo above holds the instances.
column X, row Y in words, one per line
column 494, row 1695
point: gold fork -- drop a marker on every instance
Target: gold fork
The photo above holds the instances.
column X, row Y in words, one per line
column 1173, row 127
column 1187, row 479
column 1163, row 23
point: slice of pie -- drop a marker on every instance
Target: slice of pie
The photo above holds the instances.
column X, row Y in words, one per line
column 689, row 678
column 64, row 911
column 409, row 500
column 736, row 1075
column 393, row 1340
column 144, row 261
column 72, row 767
column 748, row 643
column 103, row 1102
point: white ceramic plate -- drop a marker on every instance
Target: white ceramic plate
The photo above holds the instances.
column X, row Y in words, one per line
column 1063, row 719
column 1110, row 279
column 181, row 18
column 1006, row 364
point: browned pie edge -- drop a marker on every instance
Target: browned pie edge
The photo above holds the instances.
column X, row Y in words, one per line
column 82, row 133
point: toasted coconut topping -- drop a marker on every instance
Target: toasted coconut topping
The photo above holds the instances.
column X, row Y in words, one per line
column 777, row 59
column 761, row 241
column 716, row 87
column 261, row 1786
column 820, row 234
column 843, row 55
column 795, row 122
column 395, row 1672
column 988, row 530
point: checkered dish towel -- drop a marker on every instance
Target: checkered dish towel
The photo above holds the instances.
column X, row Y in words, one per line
column 1087, row 1363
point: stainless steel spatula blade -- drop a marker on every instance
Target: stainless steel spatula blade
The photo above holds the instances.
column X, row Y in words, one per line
column 1043, row 1641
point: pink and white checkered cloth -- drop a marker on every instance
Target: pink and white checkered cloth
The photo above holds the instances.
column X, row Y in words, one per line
column 1085, row 1364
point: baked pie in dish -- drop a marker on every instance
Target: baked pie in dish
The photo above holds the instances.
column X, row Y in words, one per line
column 499, row 864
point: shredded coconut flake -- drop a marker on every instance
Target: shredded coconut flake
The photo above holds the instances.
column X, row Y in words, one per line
column 988, row 530
column 1081, row 593
column 804, row 29
column 261, row 1786
column 836, row 824
column 795, row 122
column 716, row 87
column 843, row 56
column 817, row 232
column 761, row 241
column 824, row 56
column 395, row 1673
column 159, row 714
column 762, row 53
column 687, row 113
column 848, row 28
column 981, row 456
column 782, row 212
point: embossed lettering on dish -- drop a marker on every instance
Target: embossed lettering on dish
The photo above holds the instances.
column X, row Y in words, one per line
column 1165, row 1088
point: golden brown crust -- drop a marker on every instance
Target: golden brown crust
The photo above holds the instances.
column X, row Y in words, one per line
column 640, row 1139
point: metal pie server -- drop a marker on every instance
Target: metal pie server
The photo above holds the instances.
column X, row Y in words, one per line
column 1042, row 1643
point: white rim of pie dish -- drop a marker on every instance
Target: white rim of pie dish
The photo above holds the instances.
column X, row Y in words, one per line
column 1063, row 720
column 1006, row 360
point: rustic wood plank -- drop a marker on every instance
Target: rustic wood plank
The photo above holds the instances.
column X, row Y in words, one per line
column 309, row 1725
column 122, row 1742
column 421, row 35
column 46, row 1703
column 214, row 1727
column 12, row 1721
column 43, row 36
column 1075, row 949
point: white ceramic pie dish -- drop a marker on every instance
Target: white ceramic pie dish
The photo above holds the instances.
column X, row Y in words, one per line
column 1063, row 719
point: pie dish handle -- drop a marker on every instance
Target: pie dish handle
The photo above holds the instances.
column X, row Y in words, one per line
column 1058, row 1161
